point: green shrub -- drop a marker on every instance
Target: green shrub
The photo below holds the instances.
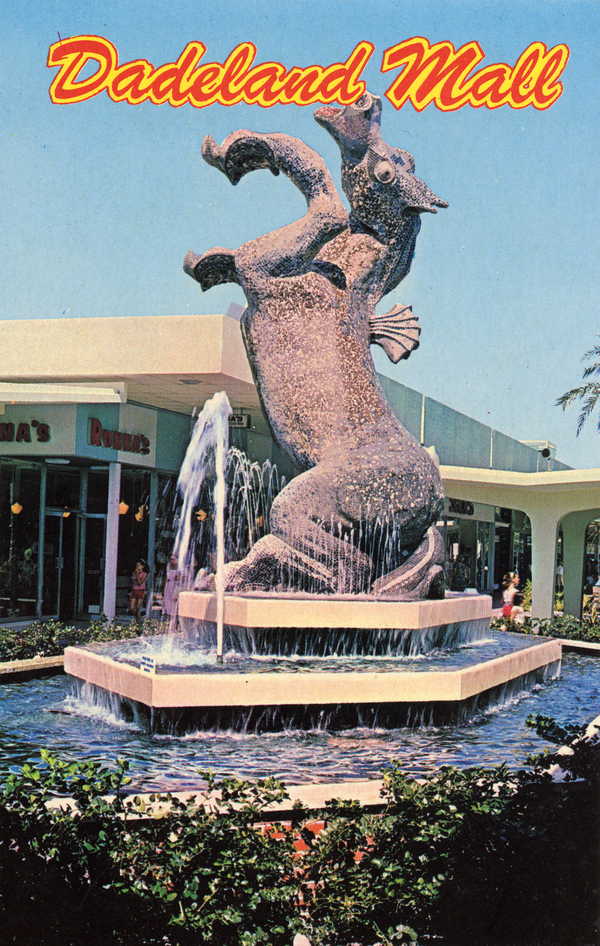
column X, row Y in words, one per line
column 568, row 626
column 407, row 854
column 444, row 856
column 49, row 638
column 563, row 626
column 105, row 873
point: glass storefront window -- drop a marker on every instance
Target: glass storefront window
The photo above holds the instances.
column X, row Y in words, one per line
column 97, row 493
column 166, row 525
column 62, row 487
column 19, row 532
column 133, row 529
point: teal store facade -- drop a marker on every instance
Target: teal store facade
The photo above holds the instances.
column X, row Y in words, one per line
column 85, row 490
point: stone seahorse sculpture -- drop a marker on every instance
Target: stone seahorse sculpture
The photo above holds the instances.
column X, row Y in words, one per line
column 361, row 516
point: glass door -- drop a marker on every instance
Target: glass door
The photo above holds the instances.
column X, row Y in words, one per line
column 90, row 594
column 60, row 564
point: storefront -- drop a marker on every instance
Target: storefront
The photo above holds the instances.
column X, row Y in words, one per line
column 85, row 490
column 86, row 486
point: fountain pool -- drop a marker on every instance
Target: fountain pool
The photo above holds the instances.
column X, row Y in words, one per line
column 48, row 714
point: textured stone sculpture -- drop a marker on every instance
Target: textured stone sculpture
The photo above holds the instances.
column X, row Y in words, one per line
column 361, row 517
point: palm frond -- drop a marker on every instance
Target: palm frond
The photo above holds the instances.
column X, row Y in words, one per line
column 591, row 369
column 578, row 394
column 588, row 393
column 588, row 408
column 592, row 353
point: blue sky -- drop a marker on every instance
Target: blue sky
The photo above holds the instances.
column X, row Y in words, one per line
column 101, row 200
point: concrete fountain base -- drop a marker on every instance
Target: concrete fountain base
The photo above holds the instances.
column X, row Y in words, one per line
column 165, row 690
column 262, row 699
column 320, row 611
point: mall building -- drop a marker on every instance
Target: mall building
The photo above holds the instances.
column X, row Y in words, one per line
column 95, row 417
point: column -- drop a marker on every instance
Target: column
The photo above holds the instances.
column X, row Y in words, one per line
column 41, row 541
column 152, row 509
column 544, row 533
column 80, row 545
column 112, row 540
column 574, row 526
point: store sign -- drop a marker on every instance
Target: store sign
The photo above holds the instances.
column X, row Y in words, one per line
column 117, row 440
column 239, row 420
column 24, row 432
column 465, row 509
column 460, row 507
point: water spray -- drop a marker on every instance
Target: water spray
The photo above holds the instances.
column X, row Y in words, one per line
column 210, row 437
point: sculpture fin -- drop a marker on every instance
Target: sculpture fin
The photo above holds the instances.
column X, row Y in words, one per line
column 396, row 331
column 213, row 268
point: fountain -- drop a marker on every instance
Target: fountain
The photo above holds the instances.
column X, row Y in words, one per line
column 315, row 617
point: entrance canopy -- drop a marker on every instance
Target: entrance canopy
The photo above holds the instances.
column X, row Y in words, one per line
column 566, row 498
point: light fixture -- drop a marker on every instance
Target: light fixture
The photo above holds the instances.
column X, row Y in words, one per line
column 123, row 507
column 140, row 514
column 16, row 508
column 66, row 513
column 57, row 461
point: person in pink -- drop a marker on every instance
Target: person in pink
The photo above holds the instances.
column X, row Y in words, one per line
column 512, row 608
column 170, row 602
column 138, row 588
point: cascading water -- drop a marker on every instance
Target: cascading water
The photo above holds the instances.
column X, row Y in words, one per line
column 210, row 438
column 278, row 675
column 250, row 490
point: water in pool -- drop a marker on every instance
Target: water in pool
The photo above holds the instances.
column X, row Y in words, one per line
column 45, row 714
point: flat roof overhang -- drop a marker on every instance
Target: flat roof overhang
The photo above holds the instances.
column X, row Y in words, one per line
column 562, row 490
column 171, row 362
column 176, row 362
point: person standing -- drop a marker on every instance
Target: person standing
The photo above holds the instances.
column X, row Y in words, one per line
column 170, row 604
column 510, row 586
column 137, row 594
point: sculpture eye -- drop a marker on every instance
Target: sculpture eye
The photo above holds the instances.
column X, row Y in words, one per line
column 364, row 103
column 385, row 172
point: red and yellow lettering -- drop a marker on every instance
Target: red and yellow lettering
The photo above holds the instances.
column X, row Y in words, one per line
column 71, row 55
column 235, row 69
column 436, row 73
column 185, row 81
column 440, row 74
column 206, row 85
column 547, row 86
column 430, row 72
column 130, row 83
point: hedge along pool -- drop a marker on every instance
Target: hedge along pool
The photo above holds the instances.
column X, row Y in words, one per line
column 45, row 713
